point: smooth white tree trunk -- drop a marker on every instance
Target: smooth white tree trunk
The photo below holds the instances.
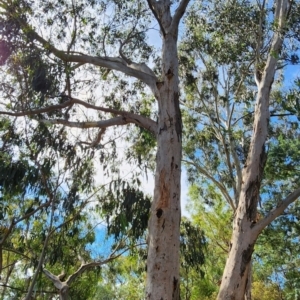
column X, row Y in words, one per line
column 246, row 229
column 164, row 224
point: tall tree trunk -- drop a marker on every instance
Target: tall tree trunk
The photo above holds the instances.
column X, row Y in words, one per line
column 245, row 233
column 164, row 224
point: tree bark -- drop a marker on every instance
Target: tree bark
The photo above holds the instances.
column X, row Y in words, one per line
column 164, row 223
column 248, row 295
column 244, row 236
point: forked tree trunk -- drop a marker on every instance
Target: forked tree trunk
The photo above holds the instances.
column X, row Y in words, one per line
column 245, row 231
column 164, row 224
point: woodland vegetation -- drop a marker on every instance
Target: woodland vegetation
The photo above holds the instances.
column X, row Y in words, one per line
column 96, row 95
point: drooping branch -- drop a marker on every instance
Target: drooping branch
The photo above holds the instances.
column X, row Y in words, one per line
column 16, row 252
column 3, row 239
column 257, row 75
column 74, row 31
column 22, row 290
column 236, row 160
column 277, row 211
column 232, row 145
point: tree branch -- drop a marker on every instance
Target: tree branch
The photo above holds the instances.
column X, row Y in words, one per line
column 42, row 255
column 114, row 63
column 16, row 252
column 216, row 182
column 55, row 279
column 7, row 233
column 277, row 41
column 23, row 291
column 38, row 111
column 139, row 120
column 98, row 138
column 99, row 124
column 74, row 31
column 277, row 211
column 236, row 160
column 91, row 124
column 179, row 13
column 224, row 249
column 85, row 266
column 26, row 216
column 153, row 6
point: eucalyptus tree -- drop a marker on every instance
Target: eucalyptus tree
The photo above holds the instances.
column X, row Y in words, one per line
column 272, row 257
column 233, row 61
column 69, row 55
column 44, row 221
column 49, row 215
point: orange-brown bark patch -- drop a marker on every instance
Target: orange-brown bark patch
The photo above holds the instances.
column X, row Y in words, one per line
column 164, row 191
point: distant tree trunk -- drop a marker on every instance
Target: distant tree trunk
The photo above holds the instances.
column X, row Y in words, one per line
column 245, row 231
column 164, row 224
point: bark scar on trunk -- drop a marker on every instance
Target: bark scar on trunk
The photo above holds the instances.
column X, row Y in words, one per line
column 175, row 286
column 164, row 192
column 178, row 121
column 246, row 257
column 172, row 163
column 169, row 74
column 159, row 212
column 163, row 128
column 252, row 193
column 251, row 199
column 160, row 84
